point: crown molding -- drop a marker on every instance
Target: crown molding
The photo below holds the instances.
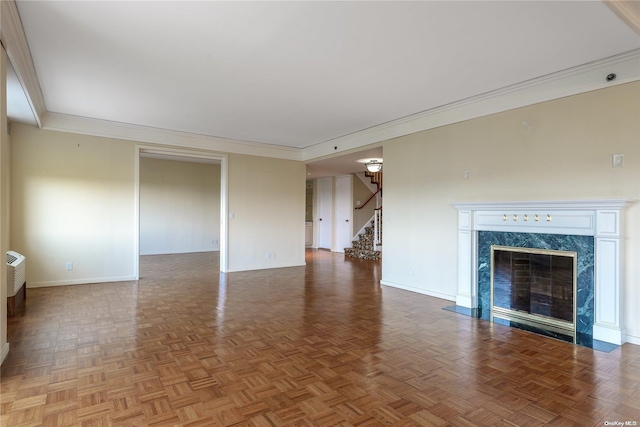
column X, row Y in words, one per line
column 15, row 43
column 584, row 78
column 157, row 136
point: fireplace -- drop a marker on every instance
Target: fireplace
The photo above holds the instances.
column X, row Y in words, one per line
column 590, row 229
column 535, row 287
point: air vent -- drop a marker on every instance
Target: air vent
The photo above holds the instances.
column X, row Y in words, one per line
column 15, row 272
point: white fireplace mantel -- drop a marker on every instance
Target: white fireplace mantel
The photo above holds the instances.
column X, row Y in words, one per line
column 601, row 219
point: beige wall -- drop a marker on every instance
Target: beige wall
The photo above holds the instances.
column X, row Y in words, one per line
column 361, row 193
column 72, row 201
column 179, row 206
column 565, row 155
column 266, row 212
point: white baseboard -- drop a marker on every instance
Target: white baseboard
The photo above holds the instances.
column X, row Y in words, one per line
column 633, row 340
column 180, row 252
column 4, row 353
column 418, row 290
column 465, row 301
column 79, row 281
column 264, row 267
column 608, row 334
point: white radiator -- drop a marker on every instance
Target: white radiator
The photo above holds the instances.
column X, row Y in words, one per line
column 15, row 272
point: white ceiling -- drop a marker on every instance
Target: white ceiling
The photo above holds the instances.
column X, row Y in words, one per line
column 297, row 74
column 344, row 163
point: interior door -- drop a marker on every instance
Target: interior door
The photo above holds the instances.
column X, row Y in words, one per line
column 324, row 224
column 344, row 213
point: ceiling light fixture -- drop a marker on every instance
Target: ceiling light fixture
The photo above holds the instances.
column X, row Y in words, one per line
column 373, row 166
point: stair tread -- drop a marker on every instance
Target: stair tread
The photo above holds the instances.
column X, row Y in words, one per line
column 363, row 253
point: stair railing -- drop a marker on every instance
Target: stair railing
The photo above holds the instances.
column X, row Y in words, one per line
column 377, row 227
column 376, row 178
column 369, row 199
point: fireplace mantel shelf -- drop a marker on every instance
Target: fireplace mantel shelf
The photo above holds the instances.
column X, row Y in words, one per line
column 595, row 204
column 601, row 219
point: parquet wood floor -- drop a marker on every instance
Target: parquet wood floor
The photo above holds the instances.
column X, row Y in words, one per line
column 321, row 345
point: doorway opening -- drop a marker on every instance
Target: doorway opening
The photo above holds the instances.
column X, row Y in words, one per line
column 214, row 236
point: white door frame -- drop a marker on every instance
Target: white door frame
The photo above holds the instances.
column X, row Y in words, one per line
column 186, row 155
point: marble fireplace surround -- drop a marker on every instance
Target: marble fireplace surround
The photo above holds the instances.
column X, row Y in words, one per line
column 601, row 219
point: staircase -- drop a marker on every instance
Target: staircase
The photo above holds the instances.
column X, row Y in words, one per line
column 376, row 178
column 368, row 244
column 363, row 248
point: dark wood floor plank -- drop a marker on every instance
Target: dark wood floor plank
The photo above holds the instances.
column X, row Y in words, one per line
column 321, row 345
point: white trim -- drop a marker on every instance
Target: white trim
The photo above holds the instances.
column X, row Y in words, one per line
column 613, row 335
column 165, row 137
column 467, row 296
column 466, row 301
column 417, row 290
column 15, row 42
column 268, row 267
column 633, row 339
column 4, row 353
column 608, row 223
column 197, row 251
column 88, row 281
column 224, row 194
column 224, row 214
column 578, row 217
column 136, row 215
column 608, row 305
column 584, row 78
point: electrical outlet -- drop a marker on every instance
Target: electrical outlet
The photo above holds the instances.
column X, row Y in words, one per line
column 618, row 160
column 69, row 266
column 413, row 272
column 467, row 174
